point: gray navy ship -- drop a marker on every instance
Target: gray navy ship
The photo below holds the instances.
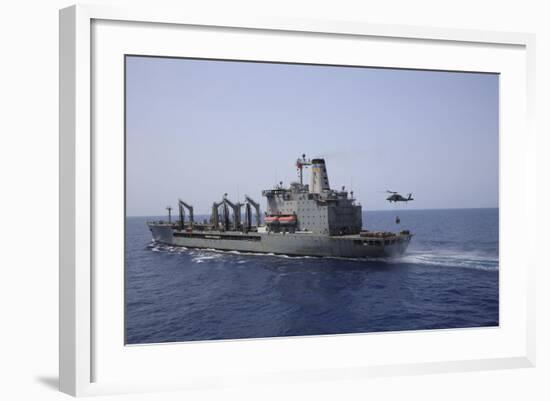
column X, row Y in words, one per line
column 300, row 220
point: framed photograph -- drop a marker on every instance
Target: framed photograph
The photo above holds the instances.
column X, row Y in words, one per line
column 277, row 200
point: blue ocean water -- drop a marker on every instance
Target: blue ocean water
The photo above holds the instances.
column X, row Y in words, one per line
column 449, row 278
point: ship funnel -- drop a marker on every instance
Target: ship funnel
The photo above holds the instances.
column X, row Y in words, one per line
column 318, row 177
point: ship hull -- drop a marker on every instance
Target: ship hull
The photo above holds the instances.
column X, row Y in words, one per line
column 293, row 244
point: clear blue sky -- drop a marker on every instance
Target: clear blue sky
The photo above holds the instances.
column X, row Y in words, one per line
column 197, row 129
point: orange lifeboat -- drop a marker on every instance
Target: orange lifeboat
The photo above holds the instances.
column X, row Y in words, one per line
column 287, row 219
column 271, row 219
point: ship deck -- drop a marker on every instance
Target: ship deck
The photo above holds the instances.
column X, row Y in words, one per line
column 367, row 243
column 373, row 237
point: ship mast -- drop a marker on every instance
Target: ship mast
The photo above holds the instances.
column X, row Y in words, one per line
column 300, row 163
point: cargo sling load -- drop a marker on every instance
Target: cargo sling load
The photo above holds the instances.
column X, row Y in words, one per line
column 302, row 220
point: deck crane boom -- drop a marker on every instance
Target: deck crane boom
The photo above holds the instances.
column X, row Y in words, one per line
column 248, row 212
column 182, row 206
column 236, row 211
column 216, row 214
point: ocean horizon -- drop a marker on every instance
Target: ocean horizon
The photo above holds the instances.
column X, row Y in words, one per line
column 405, row 208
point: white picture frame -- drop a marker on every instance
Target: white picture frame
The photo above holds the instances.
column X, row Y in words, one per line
column 78, row 157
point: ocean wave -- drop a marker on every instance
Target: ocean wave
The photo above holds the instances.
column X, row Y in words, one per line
column 158, row 247
column 444, row 258
column 203, row 257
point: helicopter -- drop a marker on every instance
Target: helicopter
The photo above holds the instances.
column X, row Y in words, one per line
column 396, row 197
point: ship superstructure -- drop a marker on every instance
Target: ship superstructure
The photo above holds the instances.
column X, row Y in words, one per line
column 314, row 208
column 301, row 219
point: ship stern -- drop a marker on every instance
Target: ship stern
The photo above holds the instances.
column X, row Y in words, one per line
column 398, row 247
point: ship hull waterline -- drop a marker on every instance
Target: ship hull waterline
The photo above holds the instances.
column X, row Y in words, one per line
column 291, row 244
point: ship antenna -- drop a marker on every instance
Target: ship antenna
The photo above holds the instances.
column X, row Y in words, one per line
column 169, row 208
column 300, row 164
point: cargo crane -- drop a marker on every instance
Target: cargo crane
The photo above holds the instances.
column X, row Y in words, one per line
column 225, row 216
column 249, row 203
column 182, row 206
column 215, row 219
column 236, row 207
